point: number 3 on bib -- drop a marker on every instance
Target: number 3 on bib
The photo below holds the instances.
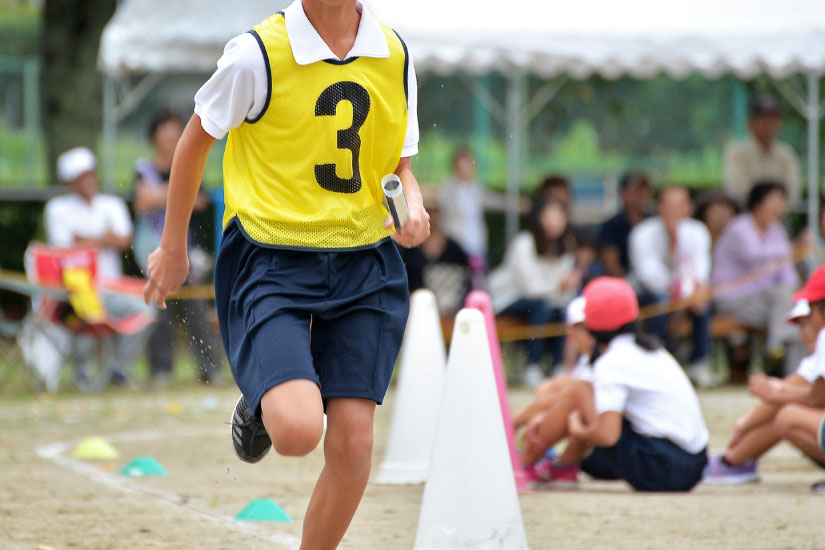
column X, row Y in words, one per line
column 327, row 105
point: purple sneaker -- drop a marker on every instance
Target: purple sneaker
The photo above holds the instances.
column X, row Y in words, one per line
column 818, row 488
column 719, row 473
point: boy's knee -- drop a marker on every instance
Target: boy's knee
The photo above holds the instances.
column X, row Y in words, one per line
column 293, row 436
column 351, row 449
column 786, row 419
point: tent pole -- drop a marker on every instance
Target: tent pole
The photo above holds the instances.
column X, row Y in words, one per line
column 515, row 93
column 812, row 116
column 109, row 132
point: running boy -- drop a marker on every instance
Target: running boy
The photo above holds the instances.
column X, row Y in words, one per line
column 319, row 103
column 641, row 418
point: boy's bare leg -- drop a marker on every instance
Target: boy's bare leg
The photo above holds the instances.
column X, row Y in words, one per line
column 348, row 454
column 293, row 415
column 545, row 394
column 753, row 444
column 551, row 427
column 799, row 425
column 573, row 453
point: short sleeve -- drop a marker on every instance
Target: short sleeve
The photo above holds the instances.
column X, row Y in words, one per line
column 609, row 396
column 237, row 90
column 411, row 139
column 817, row 370
column 57, row 230
column 119, row 220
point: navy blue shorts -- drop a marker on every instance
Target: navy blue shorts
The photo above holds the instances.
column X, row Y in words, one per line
column 646, row 463
column 336, row 318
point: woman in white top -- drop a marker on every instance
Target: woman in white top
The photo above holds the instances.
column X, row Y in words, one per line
column 643, row 419
column 538, row 277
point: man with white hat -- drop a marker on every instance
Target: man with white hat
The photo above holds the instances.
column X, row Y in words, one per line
column 84, row 217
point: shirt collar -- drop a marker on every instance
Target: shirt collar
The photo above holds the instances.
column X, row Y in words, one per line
column 308, row 46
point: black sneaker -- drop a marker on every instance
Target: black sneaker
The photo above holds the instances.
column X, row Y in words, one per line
column 249, row 436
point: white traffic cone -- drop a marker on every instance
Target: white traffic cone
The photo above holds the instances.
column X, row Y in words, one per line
column 417, row 396
column 470, row 499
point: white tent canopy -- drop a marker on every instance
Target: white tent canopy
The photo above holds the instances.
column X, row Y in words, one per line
column 639, row 38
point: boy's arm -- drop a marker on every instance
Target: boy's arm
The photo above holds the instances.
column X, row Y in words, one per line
column 417, row 227
column 169, row 264
column 605, row 431
column 779, row 392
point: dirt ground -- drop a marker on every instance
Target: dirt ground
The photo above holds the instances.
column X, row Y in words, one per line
column 49, row 499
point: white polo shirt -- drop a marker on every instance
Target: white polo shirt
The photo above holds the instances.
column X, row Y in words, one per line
column 238, row 89
column 651, row 391
column 69, row 216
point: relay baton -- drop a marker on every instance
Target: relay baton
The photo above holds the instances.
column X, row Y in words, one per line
column 395, row 200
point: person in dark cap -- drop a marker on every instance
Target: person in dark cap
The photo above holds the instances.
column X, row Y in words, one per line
column 761, row 156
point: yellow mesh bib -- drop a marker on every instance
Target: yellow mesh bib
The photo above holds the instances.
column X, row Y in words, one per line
column 307, row 172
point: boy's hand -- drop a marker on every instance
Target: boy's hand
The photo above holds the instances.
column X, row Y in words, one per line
column 415, row 230
column 576, row 426
column 167, row 271
column 764, row 387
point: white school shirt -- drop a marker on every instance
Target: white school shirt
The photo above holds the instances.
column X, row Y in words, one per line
column 582, row 370
column 651, row 391
column 816, row 368
column 69, row 216
column 655, row 269
column 238, row 89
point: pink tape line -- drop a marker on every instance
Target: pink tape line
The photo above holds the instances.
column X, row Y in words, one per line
column 480, row 300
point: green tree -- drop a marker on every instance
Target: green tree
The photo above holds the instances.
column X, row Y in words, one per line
column 71, row 85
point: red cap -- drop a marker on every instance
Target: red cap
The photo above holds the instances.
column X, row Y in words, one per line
column 610, row 303
column 814, row 289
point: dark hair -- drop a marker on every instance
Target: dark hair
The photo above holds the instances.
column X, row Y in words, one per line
column 713, row 197
column 544, row 245
column 761, row 190
column 553, row 181
column 632, row 179
column 819, row 304
column 646, row 341
column 764, row 105
column 159, row 119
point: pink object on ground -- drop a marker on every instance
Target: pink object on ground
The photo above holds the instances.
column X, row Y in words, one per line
column 480, row 300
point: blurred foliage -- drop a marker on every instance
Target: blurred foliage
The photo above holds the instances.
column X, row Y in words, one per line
column 19, row 27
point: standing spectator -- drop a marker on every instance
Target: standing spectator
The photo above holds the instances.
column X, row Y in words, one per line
column 670, row 258
column 716, row 210
column 462, row 201
column 538, row 278
column 84, row 217
column 753, row 273
column 151, row 187
column 439, row 264
column 761, row 157
column 615, row 232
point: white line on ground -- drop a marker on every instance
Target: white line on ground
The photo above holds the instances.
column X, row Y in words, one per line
column 56, row 452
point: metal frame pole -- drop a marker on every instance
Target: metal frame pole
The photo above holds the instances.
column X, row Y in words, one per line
column 515, row 93
column 812, row 115
column 108, row 147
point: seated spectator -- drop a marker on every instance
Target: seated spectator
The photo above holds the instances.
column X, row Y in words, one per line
column 761, row 157
column 462, row 205
column 580, row 342
column 670, row 258
column 538, row 278
column 615, row 232
column 556, row 187
column 754, row 278
column 85, row 217
column 716, row 210
column 640, row 416
column 761, row 428
column 439, row 264
column 151, row 188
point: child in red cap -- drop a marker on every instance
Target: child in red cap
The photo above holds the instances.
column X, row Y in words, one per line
column 801, row 419
column 772, row 420
column 642, row 419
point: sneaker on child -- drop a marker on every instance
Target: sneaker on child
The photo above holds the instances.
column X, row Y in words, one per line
column 249, row 437
column 547, row 474
column 533, row 375
column 721, row 473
